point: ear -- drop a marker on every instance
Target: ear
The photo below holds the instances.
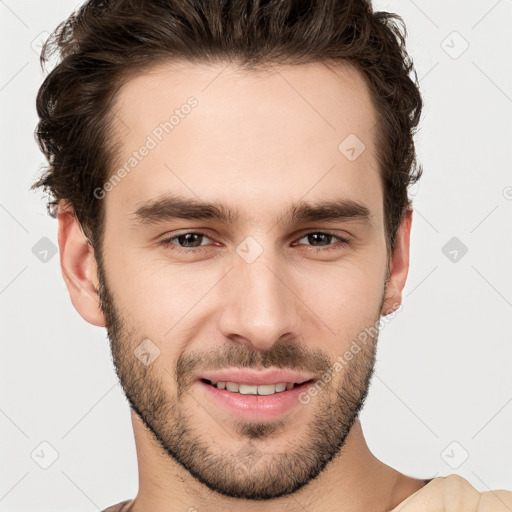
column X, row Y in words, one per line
column 398, row 267
column 78, row 267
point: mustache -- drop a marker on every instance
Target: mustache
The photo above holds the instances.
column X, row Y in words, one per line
column 286, row 356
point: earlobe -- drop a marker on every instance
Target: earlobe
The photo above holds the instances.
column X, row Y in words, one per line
column 78, row 267
column 398, row 266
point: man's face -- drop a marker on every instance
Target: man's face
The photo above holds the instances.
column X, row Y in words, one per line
column 242, row 299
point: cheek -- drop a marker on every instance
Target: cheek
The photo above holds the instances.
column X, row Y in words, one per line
column 163, row 301
column 346, row 296
column 160, row 300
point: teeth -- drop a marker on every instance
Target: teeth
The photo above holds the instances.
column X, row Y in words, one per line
column 251, row 389
column 266, row 389
column 232, row 386
column 245, row 389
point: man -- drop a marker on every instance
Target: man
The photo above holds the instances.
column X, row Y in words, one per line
column 231, row 181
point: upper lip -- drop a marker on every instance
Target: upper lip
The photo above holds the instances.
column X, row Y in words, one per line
column 257, row 377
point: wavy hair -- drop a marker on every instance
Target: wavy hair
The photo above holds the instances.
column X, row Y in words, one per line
column 106, row 42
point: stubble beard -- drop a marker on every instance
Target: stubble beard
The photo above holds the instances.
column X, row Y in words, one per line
column 248, row 470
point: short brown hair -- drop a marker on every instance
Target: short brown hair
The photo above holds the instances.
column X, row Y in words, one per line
column 104, row 43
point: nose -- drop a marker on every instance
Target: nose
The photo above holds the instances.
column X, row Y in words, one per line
column 260, row 306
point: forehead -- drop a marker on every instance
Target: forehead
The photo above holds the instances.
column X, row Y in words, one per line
column 247, row 138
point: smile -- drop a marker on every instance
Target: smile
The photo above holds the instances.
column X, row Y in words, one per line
column 252, row 389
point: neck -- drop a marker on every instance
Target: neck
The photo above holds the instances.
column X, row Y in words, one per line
column 354, row 481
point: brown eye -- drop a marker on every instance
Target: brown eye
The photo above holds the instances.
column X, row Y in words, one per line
column 184, row 241
column 323, row 239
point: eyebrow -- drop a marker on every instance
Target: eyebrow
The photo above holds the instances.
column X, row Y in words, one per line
column 172, row 207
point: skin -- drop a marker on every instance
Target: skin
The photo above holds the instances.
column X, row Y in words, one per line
column 455, row 493
column 258, row 142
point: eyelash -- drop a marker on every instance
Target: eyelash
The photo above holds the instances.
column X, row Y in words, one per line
column 166, row 242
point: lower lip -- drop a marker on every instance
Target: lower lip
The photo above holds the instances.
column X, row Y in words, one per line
column 255, row 407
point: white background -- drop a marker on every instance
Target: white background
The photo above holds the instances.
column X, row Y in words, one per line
column 444, row 362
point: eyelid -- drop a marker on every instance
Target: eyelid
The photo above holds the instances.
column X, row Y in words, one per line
column 342, row 240
column 326, row 231
column 166, row 239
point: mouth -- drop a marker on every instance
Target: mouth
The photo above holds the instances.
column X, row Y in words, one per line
column 254, row 389
column 254, row 395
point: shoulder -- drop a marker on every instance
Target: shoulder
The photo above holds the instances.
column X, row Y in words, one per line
column 461, row 491
column 494, row 501
column 120, row 507
column 454, row 493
